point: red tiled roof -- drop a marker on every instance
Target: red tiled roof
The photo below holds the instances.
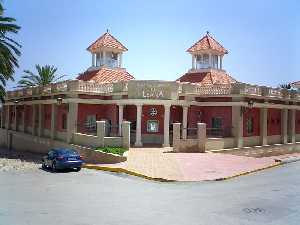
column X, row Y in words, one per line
column 207, row 42
column 107, row 40
column 207, row 78
column 296, row 84
column 105, row 75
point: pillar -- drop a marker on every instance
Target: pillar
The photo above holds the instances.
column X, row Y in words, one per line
column 292, row 124
column 138, row 138
column 184, row 121
column 33, row 119
column 237, row 124
column 101, row 132
column 221, row 62
column 23, row 119
column 166, row 126
column 193, row 62
column 2, row 116
column 53, row 120
column 264, row 126
column 71, row 120
column 93, row 59
column 121, row 109
column 15, row 127
column 120, row 60
column 284, row 124
column 40, row 124
column 126, row 134
column 176, row 136
column 7, row 126
column 201, row 134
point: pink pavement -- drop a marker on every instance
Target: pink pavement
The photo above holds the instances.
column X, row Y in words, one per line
column 154, row 163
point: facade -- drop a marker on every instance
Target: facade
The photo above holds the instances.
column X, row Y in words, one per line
column 236, row 114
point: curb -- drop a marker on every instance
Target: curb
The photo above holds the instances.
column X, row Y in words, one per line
column 122, row 170
column 288, row 160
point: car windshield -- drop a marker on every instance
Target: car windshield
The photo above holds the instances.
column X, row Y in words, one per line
column 66, row 152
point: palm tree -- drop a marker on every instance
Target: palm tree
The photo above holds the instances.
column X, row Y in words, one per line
column 9, row 50
column 46, row 75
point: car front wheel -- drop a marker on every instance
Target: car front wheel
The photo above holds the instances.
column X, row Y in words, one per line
column 78, row 169
column 53, row 167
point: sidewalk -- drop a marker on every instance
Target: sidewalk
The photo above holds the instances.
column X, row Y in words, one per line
column 154, row 163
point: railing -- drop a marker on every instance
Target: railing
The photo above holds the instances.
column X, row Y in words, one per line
column 219, row 132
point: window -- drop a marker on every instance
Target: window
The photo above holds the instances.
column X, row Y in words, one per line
column 152, row 126
column 206, row 59
column 215, row 61
column 90, row 123
column 64, row 122
column 216, row 122
column 250, row 125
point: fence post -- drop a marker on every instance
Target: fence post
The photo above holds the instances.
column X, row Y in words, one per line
column 101, row 132
column 176, row 136
column 126, row 134
column 201, row 133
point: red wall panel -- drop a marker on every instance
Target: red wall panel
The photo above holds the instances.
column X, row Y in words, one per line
column 255, row 114
column 274, row 122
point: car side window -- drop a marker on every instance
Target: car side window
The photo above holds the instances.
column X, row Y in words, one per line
column 50, row 154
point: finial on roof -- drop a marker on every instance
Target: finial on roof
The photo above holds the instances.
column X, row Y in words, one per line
column 107, row 30
column 207, row 32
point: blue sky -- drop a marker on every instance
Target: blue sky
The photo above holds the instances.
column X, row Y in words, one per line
column 262, row 36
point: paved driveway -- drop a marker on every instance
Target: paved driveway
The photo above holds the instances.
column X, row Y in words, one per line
column 94, row 197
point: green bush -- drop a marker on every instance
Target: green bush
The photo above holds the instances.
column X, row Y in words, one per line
column 113, row 150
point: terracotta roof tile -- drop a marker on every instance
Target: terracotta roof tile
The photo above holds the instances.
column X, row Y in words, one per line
column 207, row 78
column 105, row 75
column 207, row 42
column 107, row 40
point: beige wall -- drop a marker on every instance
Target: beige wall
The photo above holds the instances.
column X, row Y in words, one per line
column 275, row 139
column 86, row 140
column 152, row 138
column 251, row 141
column 219, row 143
column 113, row 141
column 297, row 137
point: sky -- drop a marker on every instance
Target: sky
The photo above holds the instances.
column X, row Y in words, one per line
column 262, row 36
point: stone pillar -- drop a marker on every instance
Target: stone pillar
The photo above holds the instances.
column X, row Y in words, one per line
column 126, row 134
column 121, row 109
column 176, row 136
column 15, row 127
column 40, row 125
column 193, row 62
column 138, row 138
column 7, row 126
column 184, row 121
column 166, row 126
column 101, row 132
column 284, row 124
column 23, row 119
column 72, row 121
column 201, row 134
column 53, row 121
column 93, row 59
column 2, row 116
column 292, row 124
column 120, row 60
column 33, row 119
column 237, row 124
column 221, row 62
column 264, row 126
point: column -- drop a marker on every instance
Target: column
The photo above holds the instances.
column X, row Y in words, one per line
column 93, row 59
column 210, row 60
column 101, row 132
column 33, row 119
column 7, row 126
column 237, row 124
column 40, row 124
column 292, row 121
column 184, row 121
column 221, row 62
column 284, row 123
column 53, row 120
column 15, row 127
column 71, row 120
column 138, row 138
column 2, row 116
column 126, row 134
column 23, row 119
column 121, row 109
column 264, row 126
column 166, row 126
column 201, row 133
column 120, row 60
column 193, row 62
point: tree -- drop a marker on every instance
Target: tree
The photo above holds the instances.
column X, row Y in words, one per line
column 286, row 86
column 9, row 50
column 46, row 75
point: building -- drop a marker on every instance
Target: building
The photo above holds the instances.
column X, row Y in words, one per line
column 236, row 114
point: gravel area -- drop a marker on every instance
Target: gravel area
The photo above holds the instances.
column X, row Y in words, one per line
column 18, row 161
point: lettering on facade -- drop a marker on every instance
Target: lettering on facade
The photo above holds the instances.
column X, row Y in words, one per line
column 153, row 93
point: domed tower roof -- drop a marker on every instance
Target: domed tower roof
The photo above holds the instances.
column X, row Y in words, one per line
column 206, row 43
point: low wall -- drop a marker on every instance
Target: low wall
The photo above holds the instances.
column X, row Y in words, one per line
column 219, row 143
column 26, row 142
column 86, row 140
column 186, row 145
column 251, row 141
column 274, row 139
column 113, row 141
column 297, row 136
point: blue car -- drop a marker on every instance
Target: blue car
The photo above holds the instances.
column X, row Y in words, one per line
column 62, row 158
